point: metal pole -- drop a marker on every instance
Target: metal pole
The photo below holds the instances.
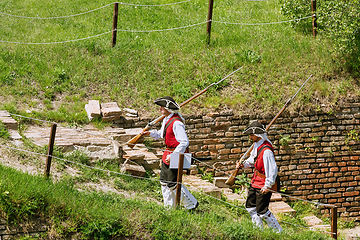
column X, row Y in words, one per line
column 334, row 222
column 115, row 21
column 208, row 26
column 314, row 18
column 50, row 150
column 179, row 179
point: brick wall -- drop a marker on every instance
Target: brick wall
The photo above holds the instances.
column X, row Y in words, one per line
column 321, row 161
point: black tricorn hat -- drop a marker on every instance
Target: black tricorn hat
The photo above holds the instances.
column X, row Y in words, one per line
column 167, row 102
column 254, row 128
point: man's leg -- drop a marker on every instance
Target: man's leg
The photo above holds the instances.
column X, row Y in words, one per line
column 262, row 208
column 251, row 208
column 187, row 199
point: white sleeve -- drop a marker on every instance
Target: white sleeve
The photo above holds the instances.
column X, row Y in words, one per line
column 270, row 168
column 180, row 136
column 157, row 134
column 249, row 162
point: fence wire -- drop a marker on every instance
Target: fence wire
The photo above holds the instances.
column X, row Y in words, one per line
column 145, row 178
column 162, row 150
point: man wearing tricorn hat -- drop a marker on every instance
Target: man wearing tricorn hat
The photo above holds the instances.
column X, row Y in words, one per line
column 264, row 178
column 176, row 140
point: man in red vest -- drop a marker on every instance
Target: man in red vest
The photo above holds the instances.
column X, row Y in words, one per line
column 264, row 178
column 176, row 140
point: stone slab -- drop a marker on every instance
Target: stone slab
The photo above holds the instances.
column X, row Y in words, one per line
column 110, row 109
column 134, row 170
column 281, row 207
column 4, row 114
column 313, row 220
column 9, row 122
column 220, row 182
column 130, row 111
column 110, row 118
column 275, row 197
column 14, row 135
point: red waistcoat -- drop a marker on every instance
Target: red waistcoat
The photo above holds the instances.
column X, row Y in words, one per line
column 256, row 181
column 169, row 136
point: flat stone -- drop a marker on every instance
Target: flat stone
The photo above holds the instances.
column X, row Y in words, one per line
column 118, row 150
column 313, row 220
column 131, row 111
column 134, row 155
column 151, row 164
column 110, row 109
column 281, row 207
column 322, row 227
column 9, row 122
column 110, row 118
column 14, row 135
column 220, row 182
column 4, row 114
column 134, row 170
column 275, row 197
column 65, row 146
column 93, row 109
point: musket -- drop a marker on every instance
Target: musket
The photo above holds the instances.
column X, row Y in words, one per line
column 232, row 178
column 132, row 142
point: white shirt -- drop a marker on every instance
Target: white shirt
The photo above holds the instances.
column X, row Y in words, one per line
column 269, row 163
column 179, row 131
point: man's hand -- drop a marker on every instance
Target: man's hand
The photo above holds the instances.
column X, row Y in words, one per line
column 264, row 190
column 167, row 159
column 239, row 166
column 145, row 133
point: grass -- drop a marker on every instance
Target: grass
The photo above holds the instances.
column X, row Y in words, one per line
column 54, row 81
column 96, row 215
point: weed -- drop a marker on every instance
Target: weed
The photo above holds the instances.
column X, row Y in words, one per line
column 3, row 131
column 284, row 140
column 244, row 180
column 314, row 139
column 352, row 135
column 208, row 176
column 148, row 141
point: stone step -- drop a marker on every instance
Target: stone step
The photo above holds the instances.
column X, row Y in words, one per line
column 313, row 220
column 282, row 208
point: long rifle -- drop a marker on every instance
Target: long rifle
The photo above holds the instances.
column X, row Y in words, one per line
column 132, row 142
column 232, row 178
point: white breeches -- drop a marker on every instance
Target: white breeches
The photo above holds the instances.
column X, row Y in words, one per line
column 169, row 195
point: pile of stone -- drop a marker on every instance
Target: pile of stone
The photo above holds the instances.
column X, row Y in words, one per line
column 107, row 111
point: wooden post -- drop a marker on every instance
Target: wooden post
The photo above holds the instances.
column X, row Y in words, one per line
column 115, row 22
column 50, row 150
column 334, row 222
column 314, row 18
column 208, row 27
column 179, row 179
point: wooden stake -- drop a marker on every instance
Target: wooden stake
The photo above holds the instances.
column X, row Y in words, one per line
column 50, row 150
column 334, row 222
column 115, row 22
column 179, row 179
column 314, row 18
column 208, row 26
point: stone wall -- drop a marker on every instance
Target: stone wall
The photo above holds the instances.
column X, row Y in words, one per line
column 317, row 152
column 33, row 230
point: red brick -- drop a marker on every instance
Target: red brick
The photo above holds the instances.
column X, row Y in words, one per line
column 236, row 150
column 341, row 164
column 334, row 200
column 333, row 195
column 220, row 146
column 336, row 184
column 328, row 185
column 351, row 184
column 296, row 182
column 348, row 194
column 334, row 169
column 344, row 169
column 354, row 158
column 353, row 168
